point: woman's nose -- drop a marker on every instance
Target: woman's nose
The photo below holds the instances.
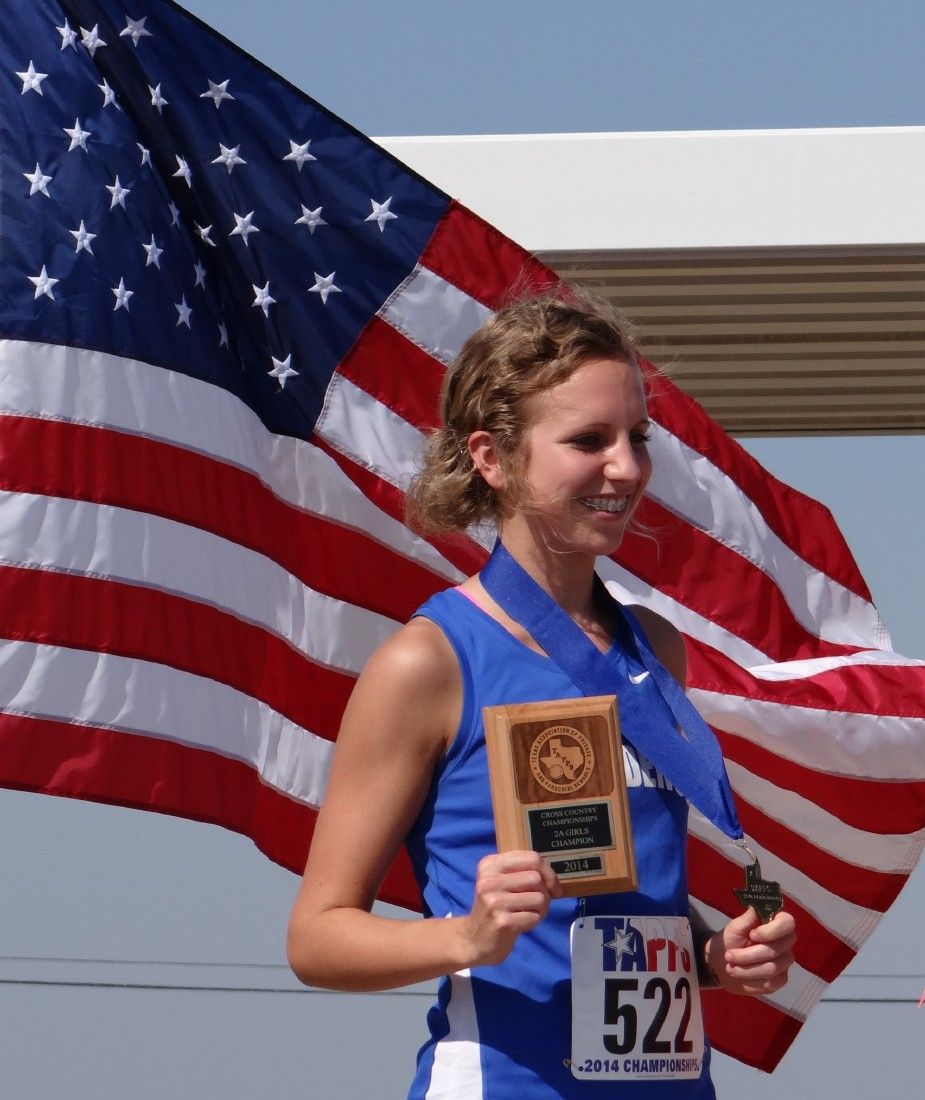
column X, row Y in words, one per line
column 622, row 463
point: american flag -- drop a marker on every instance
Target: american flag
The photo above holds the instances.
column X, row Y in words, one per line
column 224, row 317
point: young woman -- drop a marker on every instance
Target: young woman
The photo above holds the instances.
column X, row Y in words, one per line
column 544, row 433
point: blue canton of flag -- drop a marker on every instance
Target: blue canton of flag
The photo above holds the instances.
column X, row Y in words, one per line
column 166, row 198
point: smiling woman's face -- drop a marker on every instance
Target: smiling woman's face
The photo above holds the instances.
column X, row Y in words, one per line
column 586, row 461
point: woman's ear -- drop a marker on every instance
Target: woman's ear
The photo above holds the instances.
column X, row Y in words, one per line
column 485, row 458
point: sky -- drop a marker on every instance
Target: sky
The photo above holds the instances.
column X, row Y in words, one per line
column 94, row 897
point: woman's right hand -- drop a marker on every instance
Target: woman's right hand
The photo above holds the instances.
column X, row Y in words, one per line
column 512, row 895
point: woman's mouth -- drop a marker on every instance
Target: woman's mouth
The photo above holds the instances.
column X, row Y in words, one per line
column 612, row 505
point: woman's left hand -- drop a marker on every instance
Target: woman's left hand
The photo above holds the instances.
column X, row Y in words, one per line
column 750, row 957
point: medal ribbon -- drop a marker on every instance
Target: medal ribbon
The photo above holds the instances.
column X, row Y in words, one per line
column 691, row 760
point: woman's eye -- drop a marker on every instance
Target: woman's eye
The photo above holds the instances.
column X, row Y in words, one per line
column 640, row 439
column 587, row 442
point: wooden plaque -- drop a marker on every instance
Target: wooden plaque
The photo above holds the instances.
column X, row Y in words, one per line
column 558, row 787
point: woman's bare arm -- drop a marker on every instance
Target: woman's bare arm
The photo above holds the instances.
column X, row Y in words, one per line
column 400, row 719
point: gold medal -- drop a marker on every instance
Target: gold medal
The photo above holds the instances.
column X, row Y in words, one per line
column 761, row 894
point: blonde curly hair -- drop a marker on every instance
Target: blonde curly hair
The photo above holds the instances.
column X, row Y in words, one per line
column 528, row 346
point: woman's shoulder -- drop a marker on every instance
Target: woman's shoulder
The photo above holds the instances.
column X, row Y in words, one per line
column 418, row 654
column 666, row 640
column 410, row 684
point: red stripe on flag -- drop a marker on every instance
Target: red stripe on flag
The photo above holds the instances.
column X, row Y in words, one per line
column 390, row 367
column 754, row 1031
column 107, row 467
column 801, row 522
column 875, row 806
column 698, row 571
column 113, row 617
column 895, row 691
column 712, row 879
column 148, row 773
column 472, row 255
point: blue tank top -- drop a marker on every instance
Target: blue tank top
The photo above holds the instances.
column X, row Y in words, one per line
column 505, row 1031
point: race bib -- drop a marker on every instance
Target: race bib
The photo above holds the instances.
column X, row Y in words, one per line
column 635, row 999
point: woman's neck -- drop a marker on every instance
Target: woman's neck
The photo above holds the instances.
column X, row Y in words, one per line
column 567, row 576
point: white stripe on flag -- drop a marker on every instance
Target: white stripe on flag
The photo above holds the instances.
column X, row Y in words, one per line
column 803, row 670
column 892, row 853
column 434, row 314
column 369, row 433
column 90, row 387
column 867, row 746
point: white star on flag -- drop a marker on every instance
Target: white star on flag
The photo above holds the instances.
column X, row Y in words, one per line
column 68, row 36
column 78, row 137
column 217, row 92
column 38, row 181
column 154, row 253
column 174, row 214
column 135, row 29
column 243, row 226
column 157, row 100
column 118, row 193
column 262, row 298
column 109, row 96
column 381, row 213
column 299, row 153
column 229, row 157
column 183, row 170
column 43, row 283
column 311, row 218
column 200, row 274
column 91, row 39
column 83, row 238
column 324, row 285
column 282, row 369
column 145, row 154
column 31, row 80
column 184, row 312
column 122, row 296
column 203, row 232
column 222, row 335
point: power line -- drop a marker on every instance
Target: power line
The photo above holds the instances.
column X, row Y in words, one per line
column 304, row 991
column 85, row 960
column 138, row 962
column 176, row 988
column 179, row 987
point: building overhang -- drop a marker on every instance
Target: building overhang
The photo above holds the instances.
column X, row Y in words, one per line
column 778, row 275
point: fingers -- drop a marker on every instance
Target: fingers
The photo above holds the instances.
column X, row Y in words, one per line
column 765, row 942
column 517, row 880
column 780, row 927
column 758, row 956
column 512, row 895
column 738, row 928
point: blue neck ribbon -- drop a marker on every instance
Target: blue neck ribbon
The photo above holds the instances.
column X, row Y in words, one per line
column 681, row 746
